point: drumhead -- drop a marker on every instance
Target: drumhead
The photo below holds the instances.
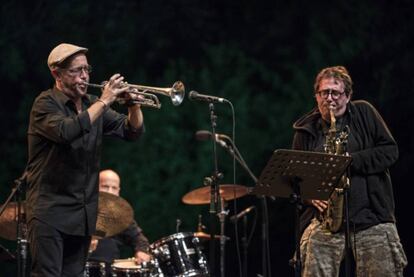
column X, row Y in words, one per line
column 125, row 264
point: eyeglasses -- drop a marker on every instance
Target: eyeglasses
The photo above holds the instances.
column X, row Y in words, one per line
column 76, row 71
column 335, row 94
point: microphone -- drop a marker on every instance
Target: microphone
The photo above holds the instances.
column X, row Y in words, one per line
column 203, row 135
column 236, row 217
column 194, row 95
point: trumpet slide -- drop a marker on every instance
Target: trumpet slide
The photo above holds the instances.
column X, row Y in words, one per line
column 148, row 97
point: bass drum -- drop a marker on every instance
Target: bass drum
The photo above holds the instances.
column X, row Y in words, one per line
column 128, row 268
column 180, row 255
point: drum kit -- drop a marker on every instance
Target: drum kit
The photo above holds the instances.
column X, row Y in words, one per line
column 179, row 254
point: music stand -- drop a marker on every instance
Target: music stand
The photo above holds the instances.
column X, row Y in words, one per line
column 301, row 175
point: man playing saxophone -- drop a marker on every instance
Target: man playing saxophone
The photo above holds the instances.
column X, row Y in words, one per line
column 341, row 126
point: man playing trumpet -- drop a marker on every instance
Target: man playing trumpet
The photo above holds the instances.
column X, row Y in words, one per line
column 64, row 142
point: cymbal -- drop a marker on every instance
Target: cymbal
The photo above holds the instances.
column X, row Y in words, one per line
column 115, row 214
column 8, row 221
column 202, row 235
column 202, row 195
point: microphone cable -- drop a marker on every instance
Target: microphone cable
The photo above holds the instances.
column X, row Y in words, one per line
column 236, row 232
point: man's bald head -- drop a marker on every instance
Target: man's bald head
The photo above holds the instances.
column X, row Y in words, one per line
column 109, row 181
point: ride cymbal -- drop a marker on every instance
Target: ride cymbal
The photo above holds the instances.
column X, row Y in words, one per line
column 202, row 195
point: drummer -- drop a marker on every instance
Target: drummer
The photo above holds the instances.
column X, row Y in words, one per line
column 108, row 249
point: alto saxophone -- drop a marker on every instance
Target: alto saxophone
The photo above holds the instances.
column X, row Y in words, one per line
column 333, row 216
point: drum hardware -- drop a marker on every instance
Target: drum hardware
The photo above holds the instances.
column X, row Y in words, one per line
column 200, row 234
column 200, row 225
column 180, row 255
column 177, row 225
column 94, row 269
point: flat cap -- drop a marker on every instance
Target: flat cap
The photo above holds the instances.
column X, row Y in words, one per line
column 62, row 52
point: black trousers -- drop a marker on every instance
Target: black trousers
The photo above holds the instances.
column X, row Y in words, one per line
column 55, row 254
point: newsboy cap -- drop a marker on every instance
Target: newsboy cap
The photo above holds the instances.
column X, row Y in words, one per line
column 62, row 52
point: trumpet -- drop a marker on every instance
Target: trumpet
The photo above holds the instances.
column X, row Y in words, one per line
column 148, row 97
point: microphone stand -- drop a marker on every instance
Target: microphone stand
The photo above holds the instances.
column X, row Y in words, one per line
column 244, row 243
column 295, row 198
column 214, row 197
column 347, row 227
column 22, row 244
column 232, row 149
column 222, row 216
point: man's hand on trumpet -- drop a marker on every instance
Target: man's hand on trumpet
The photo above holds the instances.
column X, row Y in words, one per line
column 112, row 89
column 131, row 97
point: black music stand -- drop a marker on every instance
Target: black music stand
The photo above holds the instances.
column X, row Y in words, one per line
column 301, row 175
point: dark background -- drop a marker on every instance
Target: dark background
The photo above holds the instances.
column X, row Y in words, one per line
column 261, row 55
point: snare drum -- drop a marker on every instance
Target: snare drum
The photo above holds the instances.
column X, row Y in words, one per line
column 128, row 268
column 180, row 255
column 94, row 269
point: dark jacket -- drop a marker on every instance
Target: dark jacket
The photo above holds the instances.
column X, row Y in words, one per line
column 373, row 151
column 64, row 160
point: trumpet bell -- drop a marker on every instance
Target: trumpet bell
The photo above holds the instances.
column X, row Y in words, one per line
column 177, row 93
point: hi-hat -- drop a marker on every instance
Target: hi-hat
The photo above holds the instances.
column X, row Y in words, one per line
column 8, row 221
column 202, row 195
column 115, row 214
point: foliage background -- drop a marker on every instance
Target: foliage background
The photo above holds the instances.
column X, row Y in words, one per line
column 261, row 55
